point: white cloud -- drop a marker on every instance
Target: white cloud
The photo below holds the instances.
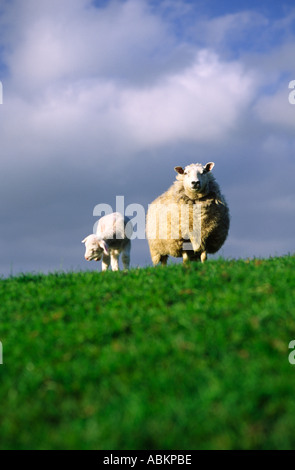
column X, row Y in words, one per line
column 221, row 30
column 75, row 83
column 61, row 41
column 276, row 109
column 198, row 104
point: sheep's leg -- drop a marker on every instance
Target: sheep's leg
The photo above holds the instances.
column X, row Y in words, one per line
column 203, row 256
column 126, row 257
column 164, row 259
column 105, row 262
column 115, row 261
column 185, row 257
column 195, row 241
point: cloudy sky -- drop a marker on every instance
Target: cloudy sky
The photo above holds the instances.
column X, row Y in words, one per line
column 103, row 98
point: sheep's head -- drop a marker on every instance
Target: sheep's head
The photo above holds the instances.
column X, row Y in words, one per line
column 94, row 248
column 195, row 178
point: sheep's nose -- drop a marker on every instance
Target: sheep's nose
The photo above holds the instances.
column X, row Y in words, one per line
column 196, row 184
column 86, row 257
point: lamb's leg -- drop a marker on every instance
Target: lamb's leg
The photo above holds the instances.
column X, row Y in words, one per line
column 105, row 262
column 126, row 256
column 115, row 260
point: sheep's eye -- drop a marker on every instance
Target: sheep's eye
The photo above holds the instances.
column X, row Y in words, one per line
column 185, row 173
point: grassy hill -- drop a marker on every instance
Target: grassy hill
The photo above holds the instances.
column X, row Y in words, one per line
column 178, row 357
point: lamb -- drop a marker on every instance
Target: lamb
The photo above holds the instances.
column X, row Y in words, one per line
column 112, row 238
column 190, row 219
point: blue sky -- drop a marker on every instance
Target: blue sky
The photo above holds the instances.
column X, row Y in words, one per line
column 104, row 98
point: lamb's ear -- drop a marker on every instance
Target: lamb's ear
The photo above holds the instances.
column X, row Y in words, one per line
column 209, row 166
column 179, row 170
column 84, row 241
column 104, row 246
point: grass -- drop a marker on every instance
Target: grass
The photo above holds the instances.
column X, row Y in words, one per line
column 158, row 358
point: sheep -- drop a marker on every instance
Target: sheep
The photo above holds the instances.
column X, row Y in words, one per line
column 190, row 219
column 112, row 238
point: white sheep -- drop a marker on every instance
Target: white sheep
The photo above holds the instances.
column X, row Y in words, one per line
column 112, row 238
column 190, row 219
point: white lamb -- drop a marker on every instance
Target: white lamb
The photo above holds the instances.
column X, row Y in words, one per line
column 112, row 238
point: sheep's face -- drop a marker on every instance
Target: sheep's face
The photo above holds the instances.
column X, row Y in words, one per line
column 195, row 178
column 94, row 248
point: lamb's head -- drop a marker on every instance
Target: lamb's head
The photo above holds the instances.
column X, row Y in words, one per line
column 195, row 178
column 94, row 248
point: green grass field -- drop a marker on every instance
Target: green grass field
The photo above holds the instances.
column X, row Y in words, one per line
column 170, row 357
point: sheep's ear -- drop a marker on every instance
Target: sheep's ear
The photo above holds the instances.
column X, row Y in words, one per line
column 104, row 246
column 209, row 166
column 179, row 170
column 84, row 241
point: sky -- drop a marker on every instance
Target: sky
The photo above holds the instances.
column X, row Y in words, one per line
column 104, row 98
